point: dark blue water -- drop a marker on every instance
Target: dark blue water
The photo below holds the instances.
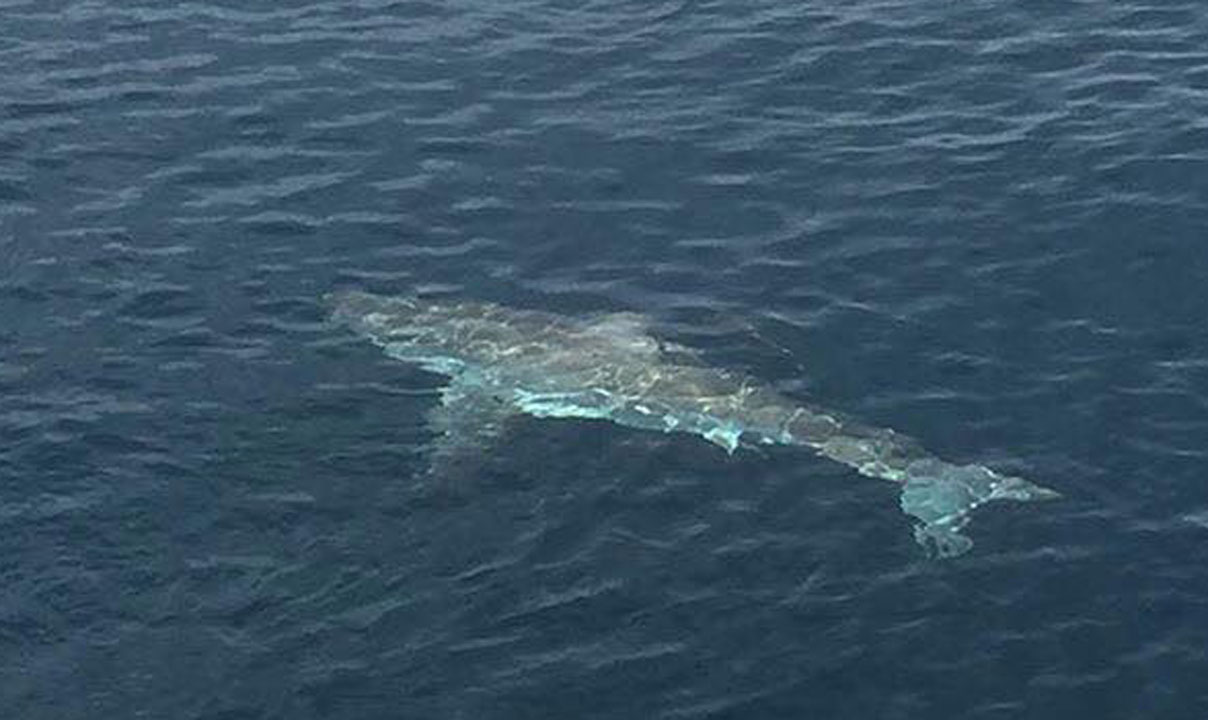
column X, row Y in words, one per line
column 980, row 223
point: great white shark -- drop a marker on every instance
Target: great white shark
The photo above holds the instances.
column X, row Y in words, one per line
column 504, row 361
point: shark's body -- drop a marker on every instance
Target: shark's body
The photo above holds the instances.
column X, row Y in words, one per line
column 503, row 361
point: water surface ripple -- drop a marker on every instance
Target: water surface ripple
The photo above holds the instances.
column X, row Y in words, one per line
column 980, row 223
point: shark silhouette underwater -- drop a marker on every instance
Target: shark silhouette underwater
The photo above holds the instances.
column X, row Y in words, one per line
column 503, row 361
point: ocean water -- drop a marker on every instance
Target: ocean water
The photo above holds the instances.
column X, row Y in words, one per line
column 981, row 223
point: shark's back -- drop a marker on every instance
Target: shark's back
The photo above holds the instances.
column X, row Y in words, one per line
column 610, row 367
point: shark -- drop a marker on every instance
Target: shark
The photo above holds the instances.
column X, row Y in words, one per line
column 502, row 361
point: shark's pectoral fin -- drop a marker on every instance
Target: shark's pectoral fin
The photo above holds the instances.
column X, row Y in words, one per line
column 468, row 420
column 726, row 436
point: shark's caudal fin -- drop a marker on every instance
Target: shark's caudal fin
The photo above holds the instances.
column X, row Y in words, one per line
column 939, row 494
column 942, row 496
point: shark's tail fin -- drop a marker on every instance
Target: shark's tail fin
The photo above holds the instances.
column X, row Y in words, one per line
column 942, row 496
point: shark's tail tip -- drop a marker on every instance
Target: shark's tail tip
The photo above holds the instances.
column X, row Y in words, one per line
column 1016, row 488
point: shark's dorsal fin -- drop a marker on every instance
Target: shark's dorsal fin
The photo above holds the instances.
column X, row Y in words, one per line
column 627, row 329
column 634, row 332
